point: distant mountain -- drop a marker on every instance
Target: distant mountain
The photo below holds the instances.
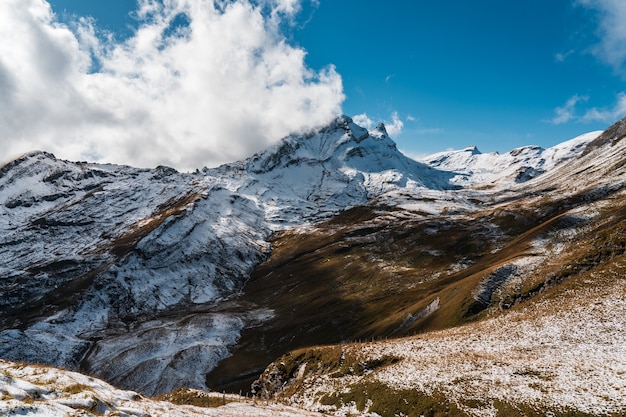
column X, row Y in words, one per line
column 155, row 280
column 519, row 165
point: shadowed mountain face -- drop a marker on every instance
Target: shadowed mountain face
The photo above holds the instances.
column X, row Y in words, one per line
column 155, row 280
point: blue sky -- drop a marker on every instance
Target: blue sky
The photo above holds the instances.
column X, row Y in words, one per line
column 442, row 75
column 485, row 72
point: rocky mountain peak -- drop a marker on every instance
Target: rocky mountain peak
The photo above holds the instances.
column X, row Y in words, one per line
column 342, row 143
column 26, row 159
column 612, row 135
column 473, row 150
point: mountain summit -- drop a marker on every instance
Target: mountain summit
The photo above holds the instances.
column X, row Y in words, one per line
column 314, row 175
column 345, row 147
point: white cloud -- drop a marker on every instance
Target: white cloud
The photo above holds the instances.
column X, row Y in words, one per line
column 363, row 120
column 612, row 31
column 393, row 127
column 562, row 56
column 608, row 115
column 566, row 112
column 218, row 90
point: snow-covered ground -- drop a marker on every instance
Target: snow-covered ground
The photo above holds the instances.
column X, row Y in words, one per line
column 47, row 392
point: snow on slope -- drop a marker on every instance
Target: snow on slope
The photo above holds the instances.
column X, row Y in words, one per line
column 47, row 392
column 311, row 177
column 129, row 273
column 95, row 257
column 471, row 167
column 563, row 353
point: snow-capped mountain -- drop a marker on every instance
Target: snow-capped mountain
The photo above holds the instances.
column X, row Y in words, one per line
column 100, row 262
column 525, row 292
column 143, row 277
column 310, row 177
column 519, row 165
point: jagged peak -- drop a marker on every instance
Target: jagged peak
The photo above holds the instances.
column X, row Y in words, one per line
column 345, row 123
column 36, row 154
column 612, row 135
column 472, row 150
column 381, row 130
column 32, row 155
column 342, row 138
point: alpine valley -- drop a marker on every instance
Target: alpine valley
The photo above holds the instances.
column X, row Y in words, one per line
column 328, row 275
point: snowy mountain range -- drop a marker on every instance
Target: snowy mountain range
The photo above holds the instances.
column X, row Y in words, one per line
column 153, row 280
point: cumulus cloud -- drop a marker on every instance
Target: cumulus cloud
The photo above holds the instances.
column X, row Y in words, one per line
column 200, row 82
column 612, row 31
column 363, row 120
column 608, row 115
column 394, row 126
column 566, row 112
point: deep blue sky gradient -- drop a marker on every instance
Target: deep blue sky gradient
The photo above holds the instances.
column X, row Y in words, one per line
column 457, row 72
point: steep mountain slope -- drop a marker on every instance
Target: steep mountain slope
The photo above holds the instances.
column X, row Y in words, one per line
column 551, row 290
column 100, row 262
column 154, row 279
column 97, row 261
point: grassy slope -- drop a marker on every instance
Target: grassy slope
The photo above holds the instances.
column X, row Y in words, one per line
column 368, row 275
column 563, row 352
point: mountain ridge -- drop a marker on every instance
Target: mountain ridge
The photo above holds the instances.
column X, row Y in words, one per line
column 146, row 251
